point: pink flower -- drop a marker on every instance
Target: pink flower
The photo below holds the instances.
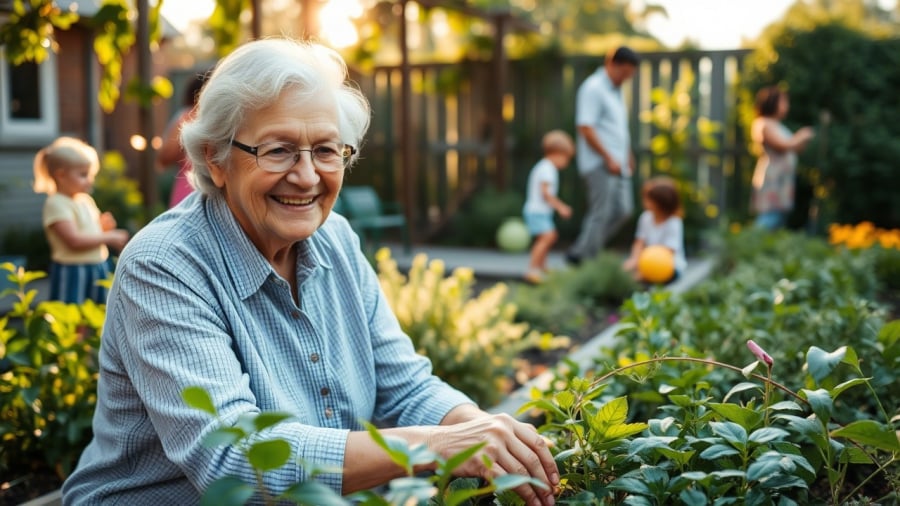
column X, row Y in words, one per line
column 760, row 353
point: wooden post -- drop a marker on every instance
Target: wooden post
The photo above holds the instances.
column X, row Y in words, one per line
column 406, row 135
column 499, row 123
column 146, row 171
column 256, row 19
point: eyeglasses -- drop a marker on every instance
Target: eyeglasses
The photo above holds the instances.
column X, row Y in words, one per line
column 281, row 156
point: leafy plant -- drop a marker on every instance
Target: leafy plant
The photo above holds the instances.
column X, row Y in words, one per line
column 48, row 378
column 472, row 341
column 264, row 455
column 773, row 447
column 567, row 300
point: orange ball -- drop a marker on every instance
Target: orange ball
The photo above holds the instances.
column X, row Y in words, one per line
column 656, row 264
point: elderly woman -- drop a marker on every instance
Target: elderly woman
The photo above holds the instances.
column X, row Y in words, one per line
column 254, row 291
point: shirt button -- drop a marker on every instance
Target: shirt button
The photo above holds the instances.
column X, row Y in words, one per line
column 314, row 357
column 328, row 413
column 325, row 391
column 295, row 314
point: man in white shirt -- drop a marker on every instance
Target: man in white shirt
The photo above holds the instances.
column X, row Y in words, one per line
column 604, row 156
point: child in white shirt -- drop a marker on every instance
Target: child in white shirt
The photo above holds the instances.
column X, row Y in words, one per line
column 541, row 200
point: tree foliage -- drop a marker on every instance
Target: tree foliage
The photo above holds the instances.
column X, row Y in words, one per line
column 29, row 35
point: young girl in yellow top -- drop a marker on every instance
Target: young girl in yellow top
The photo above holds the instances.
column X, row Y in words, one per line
column 76, row 230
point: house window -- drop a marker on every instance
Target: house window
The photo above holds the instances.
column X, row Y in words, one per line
column 29, row 113
column 24, row 91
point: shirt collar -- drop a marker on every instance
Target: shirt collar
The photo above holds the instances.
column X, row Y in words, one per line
column 246, row 266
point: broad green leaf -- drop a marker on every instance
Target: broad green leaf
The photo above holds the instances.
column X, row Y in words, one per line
column 313, row 493
column 681, row 457
column 718, row 451
column 228, row 491
column 889, row 337
column 786, row 406
column 805, row 426
column 564, row 399
column 694, row 475
column 223, row 437
column 643, row 444
column 543, row 405
column 765, row 467
column 820, row 402
column 782, row 481
column 270, row 418
column 742, row 416
column 839, row 389
column 613, row 412
column 630, row 485
column 624, row 430
column 457, row 460
column 767, row 434
column 511, row 481
column 198, row 398
column 693, row 496
column 732, row 432
column 729, row 473
column 871, row 433
column 820, row 363
column 396, row 454
column 268, row 455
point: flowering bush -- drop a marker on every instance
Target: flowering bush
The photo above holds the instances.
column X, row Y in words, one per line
column 472, row 342
column 863, row 235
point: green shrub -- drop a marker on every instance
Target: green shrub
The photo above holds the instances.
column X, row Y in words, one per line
column 472, row 341
column 785, row 291
column 48, row 379
column 736, row 437
column 566, row 300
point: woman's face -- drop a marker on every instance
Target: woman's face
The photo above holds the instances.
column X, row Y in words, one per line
column 278, row 209
column 784, row 104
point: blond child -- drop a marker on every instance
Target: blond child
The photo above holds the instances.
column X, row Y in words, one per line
column 541, row 200
column 659, row 224
column 76, row 230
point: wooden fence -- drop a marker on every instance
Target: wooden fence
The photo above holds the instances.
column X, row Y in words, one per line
column 451, row 128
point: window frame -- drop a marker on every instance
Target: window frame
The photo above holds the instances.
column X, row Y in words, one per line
column 17, row 132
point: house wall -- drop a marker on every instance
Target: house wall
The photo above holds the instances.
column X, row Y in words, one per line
column 77, row 76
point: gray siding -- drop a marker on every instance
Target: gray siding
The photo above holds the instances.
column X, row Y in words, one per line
column 20, row 207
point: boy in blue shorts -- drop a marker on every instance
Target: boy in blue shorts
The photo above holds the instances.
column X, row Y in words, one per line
column 541, row 200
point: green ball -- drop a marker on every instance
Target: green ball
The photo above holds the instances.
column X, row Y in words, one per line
column 513, row 236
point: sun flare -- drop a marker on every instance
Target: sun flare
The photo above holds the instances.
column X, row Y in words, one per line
column 336, row 23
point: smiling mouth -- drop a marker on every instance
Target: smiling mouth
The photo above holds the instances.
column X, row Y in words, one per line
column 289, row 201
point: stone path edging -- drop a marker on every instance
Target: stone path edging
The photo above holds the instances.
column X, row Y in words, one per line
column 584, row 356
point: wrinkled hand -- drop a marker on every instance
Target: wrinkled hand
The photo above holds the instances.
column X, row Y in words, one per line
column 513, row 447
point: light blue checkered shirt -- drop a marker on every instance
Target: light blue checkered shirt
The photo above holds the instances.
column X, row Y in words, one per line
column 195, row 304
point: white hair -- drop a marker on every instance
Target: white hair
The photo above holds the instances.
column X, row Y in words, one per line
column 253, row 77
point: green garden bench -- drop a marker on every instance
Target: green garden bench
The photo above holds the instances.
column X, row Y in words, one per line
column 370, row 217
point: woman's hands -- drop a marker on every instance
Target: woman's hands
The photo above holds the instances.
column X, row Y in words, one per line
column 512, row 446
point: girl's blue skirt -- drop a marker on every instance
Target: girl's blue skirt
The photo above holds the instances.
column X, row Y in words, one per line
column 76, row 283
